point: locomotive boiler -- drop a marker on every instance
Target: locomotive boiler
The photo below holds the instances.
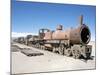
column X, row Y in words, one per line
column 71, row 42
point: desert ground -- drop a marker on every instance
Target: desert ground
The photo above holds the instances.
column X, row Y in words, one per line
column 20, row 63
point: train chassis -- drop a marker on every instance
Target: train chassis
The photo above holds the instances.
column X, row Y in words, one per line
column 64, row 48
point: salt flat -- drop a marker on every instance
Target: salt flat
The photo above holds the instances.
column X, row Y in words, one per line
column 48, row 62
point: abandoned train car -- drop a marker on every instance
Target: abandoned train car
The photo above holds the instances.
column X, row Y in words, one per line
column 72, row 42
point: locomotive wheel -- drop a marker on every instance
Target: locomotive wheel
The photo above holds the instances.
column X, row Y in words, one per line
column 61, row 49
column 39, row 46
column 54, row 50
column 68, row 52
column 76, row 54
column 42, row 47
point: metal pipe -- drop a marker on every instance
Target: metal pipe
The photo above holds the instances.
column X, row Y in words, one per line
column 81, row 20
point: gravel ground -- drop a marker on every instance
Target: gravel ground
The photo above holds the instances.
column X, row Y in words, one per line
column 48, row 62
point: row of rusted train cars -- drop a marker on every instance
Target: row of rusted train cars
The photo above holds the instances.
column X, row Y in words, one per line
column 72, row 42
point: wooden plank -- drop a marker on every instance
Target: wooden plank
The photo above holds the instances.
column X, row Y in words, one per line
column 30, row 52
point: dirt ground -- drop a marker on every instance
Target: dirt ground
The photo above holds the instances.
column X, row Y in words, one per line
column 48, row 62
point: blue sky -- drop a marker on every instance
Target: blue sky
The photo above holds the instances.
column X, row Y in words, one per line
column 32, row 16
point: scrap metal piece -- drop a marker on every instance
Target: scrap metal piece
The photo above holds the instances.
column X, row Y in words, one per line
column 30, row 52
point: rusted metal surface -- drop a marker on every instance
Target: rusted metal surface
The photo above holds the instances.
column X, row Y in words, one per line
column 48, row 35
column 79, row 35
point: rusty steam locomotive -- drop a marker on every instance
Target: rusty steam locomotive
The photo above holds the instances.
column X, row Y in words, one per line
column 72, row 42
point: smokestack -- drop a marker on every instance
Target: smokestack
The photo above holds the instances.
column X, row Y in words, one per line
column 81, row 20
column 59, row 27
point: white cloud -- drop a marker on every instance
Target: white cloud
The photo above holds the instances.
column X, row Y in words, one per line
column 16, row 34
column 93, row 38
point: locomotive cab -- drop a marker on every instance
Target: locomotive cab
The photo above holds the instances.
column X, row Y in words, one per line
column 42, row 33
